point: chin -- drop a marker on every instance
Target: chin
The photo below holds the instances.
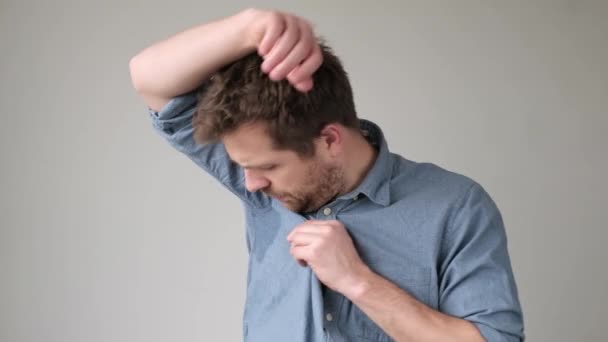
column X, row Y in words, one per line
column 291, row 205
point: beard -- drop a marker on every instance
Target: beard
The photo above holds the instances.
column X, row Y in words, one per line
column 322, row 184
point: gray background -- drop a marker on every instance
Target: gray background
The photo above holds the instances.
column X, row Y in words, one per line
column 107, row 234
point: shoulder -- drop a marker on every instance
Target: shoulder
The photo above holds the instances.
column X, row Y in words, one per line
column 428, row 182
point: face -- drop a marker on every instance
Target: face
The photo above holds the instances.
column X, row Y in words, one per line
column 300, row 184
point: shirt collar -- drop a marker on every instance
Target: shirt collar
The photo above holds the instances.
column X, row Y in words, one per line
column 376, row 184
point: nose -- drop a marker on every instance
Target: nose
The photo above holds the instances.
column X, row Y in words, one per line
column 255, row 182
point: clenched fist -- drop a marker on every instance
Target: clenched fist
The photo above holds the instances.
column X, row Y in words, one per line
column 327, row 248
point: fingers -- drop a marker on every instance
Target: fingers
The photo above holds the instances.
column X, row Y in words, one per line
column 301, row 254
column 303, row 239
column 283, row 46
column 311, row 236
column 300, row 51
column 321, row 222
column 313, row 228
column 305, row 70
column 303, row 235
column 275, row 29
column 290, row 50
column 304, row 86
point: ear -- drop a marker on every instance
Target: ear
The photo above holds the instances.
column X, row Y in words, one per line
column 331, row 139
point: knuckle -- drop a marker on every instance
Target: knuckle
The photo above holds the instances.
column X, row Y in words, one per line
column 274, row 18
column 273, row 14
column 293, row 77
column 288, row 20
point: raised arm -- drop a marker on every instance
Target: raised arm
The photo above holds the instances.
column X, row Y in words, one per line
column 169, row 74
column 184, row 61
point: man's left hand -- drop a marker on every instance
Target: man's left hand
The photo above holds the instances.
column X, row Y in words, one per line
column 327, row 248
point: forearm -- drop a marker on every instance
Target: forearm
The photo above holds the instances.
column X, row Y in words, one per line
column 403, row 317
column 182, row 62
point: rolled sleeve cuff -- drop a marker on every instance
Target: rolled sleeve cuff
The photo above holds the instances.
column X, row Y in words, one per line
column 492, row 335
column 174, row 114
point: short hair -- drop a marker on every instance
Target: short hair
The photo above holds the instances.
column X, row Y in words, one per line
column 241, row 93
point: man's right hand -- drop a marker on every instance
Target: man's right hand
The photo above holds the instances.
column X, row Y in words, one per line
column 288, row 45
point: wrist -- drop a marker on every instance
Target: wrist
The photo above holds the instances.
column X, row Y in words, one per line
column 359, row 283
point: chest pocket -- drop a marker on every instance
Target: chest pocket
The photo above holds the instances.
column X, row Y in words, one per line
column 357, row 326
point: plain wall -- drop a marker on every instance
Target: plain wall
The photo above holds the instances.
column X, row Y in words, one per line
column 108, row 234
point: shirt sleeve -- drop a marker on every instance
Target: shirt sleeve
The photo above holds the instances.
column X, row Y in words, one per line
column 174, row 123
column 476, row 280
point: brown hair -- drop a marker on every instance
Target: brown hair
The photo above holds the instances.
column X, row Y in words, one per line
column 241, row 93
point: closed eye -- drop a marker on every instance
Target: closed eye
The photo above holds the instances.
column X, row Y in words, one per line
column 261, row 168
column 268, row 167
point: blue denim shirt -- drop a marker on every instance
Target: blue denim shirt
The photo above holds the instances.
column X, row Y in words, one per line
column 436, row 234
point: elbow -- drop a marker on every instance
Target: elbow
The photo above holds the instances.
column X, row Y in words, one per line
column 142, row 81
column 135, row 73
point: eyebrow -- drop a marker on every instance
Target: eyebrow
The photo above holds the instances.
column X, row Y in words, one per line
column 261, row 166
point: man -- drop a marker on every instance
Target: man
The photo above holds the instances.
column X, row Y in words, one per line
column 347, row 241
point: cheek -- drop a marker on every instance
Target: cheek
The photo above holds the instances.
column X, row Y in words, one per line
column 289, row 179
column 279, row 180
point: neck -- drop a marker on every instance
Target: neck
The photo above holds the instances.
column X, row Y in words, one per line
column 361, row 156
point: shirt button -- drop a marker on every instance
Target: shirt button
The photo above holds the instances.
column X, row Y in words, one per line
column 356, row 197
column 329, row 317
column 327, row 211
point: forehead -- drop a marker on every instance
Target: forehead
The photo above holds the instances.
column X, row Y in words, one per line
column 251, row 144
